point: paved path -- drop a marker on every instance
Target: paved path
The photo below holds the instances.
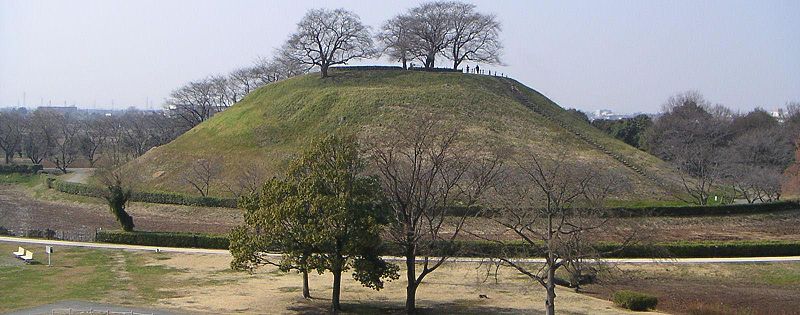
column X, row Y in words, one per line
column 81, row 307
column 393, row 258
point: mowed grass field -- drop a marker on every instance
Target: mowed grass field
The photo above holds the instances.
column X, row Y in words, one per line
column 276, row 122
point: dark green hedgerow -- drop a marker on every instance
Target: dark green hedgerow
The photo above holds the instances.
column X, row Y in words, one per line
column 494, row 249
column 163, row 198
column 20, row 169
column 178, row 199
column 165, row 239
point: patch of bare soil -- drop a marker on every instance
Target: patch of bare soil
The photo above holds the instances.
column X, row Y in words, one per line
column 706, row 289
column 20, row 211
column 773, row 226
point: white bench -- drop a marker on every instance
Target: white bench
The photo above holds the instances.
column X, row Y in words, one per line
column 28, row 256
column 19, row 252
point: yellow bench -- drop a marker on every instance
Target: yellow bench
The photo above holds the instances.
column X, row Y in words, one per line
column 19, row 252
column 28, row 256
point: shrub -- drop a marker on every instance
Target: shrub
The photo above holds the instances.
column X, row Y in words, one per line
column 46, row 234
column 5, row 232
column 166, row 239
column 635, row 301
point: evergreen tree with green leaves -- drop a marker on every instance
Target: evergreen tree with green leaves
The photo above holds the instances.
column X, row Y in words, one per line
column 323, row 216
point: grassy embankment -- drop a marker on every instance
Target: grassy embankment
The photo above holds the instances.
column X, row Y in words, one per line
column 273, row 123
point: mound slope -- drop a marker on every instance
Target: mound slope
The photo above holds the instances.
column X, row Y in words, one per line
column 273, row 123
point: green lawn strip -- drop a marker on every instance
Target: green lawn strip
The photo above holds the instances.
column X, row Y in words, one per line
column 151, row 282
column 76, row 274
column 20, row 179
column 773, row 274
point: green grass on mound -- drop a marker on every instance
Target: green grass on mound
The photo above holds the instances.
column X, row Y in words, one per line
column 274, row 123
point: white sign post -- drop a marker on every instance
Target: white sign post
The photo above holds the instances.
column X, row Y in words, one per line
column 48, row 250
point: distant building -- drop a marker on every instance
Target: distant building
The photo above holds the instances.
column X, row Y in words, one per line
column 607, row 114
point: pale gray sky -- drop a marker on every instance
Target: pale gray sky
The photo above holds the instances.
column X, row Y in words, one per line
column 623, row 55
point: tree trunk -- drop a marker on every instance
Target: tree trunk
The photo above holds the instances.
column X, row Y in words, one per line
column 306, row 292
column 404, row 63
column 411, row 277
column 324, row 70
column 551, row 291
column 9, row 156
column 337, row 286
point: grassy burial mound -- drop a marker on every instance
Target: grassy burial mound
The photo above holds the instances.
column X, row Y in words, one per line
column 272, row 124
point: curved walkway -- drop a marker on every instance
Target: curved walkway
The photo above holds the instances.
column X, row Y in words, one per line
column 180, row 250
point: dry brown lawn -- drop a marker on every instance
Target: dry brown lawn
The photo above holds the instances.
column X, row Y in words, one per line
column 455, row 288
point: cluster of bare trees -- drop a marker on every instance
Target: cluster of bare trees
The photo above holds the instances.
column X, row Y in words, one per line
column 714, row 147
column 63, row 138
column 450, row 29
column 325, row 38
column 198, row 100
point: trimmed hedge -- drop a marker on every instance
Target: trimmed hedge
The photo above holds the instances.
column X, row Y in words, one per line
column 437, row 69
column 366, row 68
column 707, row 210
column 493, row 249
column 635, row 301
column 178, row 199
column 166, row 239
column 163, row 198
column 20, row 169
column 362, row 68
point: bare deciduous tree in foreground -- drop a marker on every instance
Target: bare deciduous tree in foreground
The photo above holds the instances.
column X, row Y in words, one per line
column 554, row 207
column 424, row 171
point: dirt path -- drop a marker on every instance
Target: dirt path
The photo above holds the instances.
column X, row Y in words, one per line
column 77, row 175
column 222, row 252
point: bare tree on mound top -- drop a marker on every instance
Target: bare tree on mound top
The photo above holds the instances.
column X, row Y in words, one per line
column 473, row 36
column 329, row 37
column 448, row 28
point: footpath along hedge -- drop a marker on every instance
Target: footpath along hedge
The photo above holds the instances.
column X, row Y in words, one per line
column 493, row 249
column 151, row 197
column 20, row 169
